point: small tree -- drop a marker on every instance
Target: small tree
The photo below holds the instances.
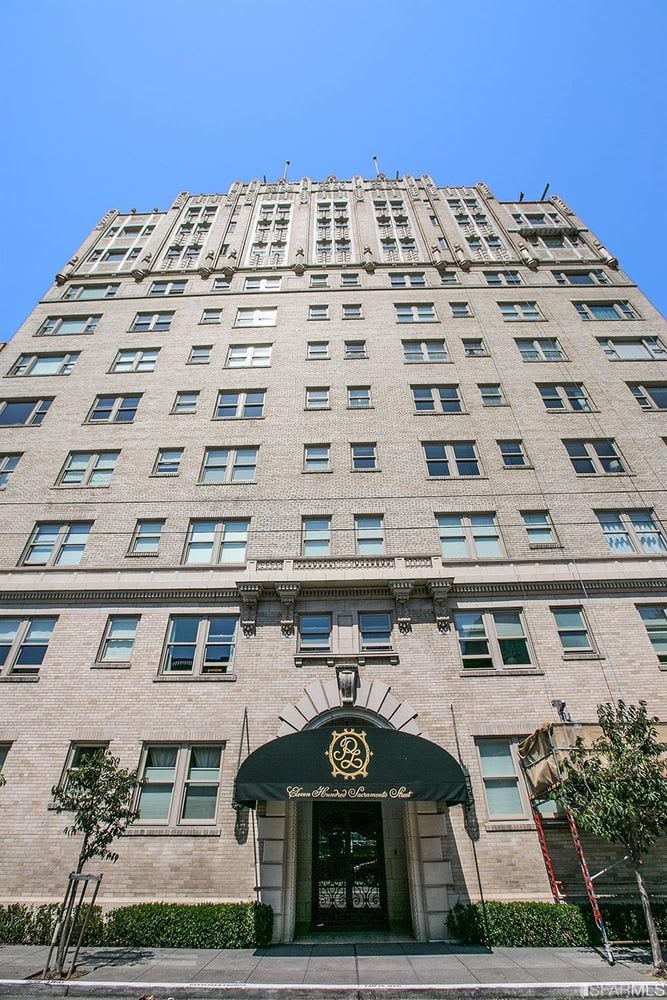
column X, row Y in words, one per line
column 99, row 793
column 616, row 789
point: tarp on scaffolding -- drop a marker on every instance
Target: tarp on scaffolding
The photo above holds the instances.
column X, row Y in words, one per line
column 542, row 753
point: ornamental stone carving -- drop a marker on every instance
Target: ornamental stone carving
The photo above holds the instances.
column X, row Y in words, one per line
column 527, row 257
column 249, row 596
column 347, row 677
column 401, row 591
column 369, row 263
column 440, row 591
column 288, row 593
column 607, row 257
column 461, row 258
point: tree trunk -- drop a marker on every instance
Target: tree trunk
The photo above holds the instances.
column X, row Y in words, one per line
column 656, row 952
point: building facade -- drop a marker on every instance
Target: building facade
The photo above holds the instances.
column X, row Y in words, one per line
column 345, row 454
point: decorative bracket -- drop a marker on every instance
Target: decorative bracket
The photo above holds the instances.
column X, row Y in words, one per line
column 369, row 263
column 440, row 591
column 299, row 265
column 249, row 595
column 206, row 268
column 461, row 258
column 288, row 593
column 607, row 257
column 347, row 675
column 527, row 257
column 401, row 590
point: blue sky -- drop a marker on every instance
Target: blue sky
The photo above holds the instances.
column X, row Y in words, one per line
column 124, row 103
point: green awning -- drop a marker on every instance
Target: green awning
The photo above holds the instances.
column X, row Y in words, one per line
column 359, row 763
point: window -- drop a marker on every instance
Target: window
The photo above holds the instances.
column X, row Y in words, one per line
column 424, row 351
column 364, row 457
column 541, row 349
column 146, row 538
column 44, row 364
column 242, row 404
column 449, row 278
column 419, row 313
column 466, row 536
column 185, row 401
column 568, row 396
column 56, row 544
column 211, row 317
column 84, row 292
column 475, row 348
column 538, row 527
column 318, row 350
column 78, row 755
column 460, row 310
column 492, row 395
column 316, row 536
column 157, row 322
column 229, row 465
column 634, row 349
column 23, row 643
column 417, row 279
column 572, row 630
column 650, row 396
column 7, row 465
column 256, row 317
column 318, row 312
column 118, row 639
column 654, row 617
column 369, row 534
column 200, row 355
column 436, row 399
column 88, row 468
column 319, row 281
column 443, row 459
column 349, row 280
column 500, row 779
column 355, row 350
column 200, row 644
column 220, row 284
column 262, row 284
column 113, row 410
column 23, row 412
column 513, row 454
column 352, row 312
column 167, row 288
column 317, row 398
column 515, row 311
column 248, row 356
column 632, row 531
column 180, row 784
column 315, row 633
column 581, row 277
column 316, row 458
column 216, row 542
column 496, row 278
column 599, row 457
column 359, row 397
column 135, row 361
column 606, row 310
column 168, row 462
column 68, row 326
column 492, row 639
column 374, row 630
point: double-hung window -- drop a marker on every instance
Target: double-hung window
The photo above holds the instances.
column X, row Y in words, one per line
column 421, row 312
column 316, row 536
column 155, row 322
column 474, row 347
column 540, row 349
column 416, row 279
column 596, row 277
column 43, row 364
column 146, row 538
column 318, row 312
column 352, row 311
column 469, row 536
column 8, row 464
column 359, row 397
column 355, row 350
column 558, row 398
column 539, row 529
column 261, row 284
column 118, row 639
column 449, row 278
column 84, row 292
column 374, row 631
column 248, row 356
column 349, row 280
column 650, row 395
column 369, row 534
column 460, row 310
column 317, row 350
column 23, row 412
column 634, row 348
column 492, row 639
column 241, row 404
column 168, row 462
column 595, row 458
column 496, row 278
column 113, row 410
column 606, row 310
column 573, row 630
column 135, row 361
column 56, row 544
column 159, row 288
column 256, row 317
column 436, row 399
column 654, row 617
column 23, row 644
column 180, row 784
column 317, row 398
column 319, row 281
column 629, row 531
column 500, row 778
column 68, row 326
column 520, row 311
column 492, row 395
column 424, row 351
column 200, row 644
column 513, row 454
column 88, row 468
column 200, row 355
column 456, row 458
column 185, row 401
column 229, row 465
column 211, row 317
column 220, row 541
column 315, row 633
column 316, row 458
column 364, row 457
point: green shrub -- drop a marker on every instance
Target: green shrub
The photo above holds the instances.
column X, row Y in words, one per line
column 199, row 925
column 21, row 924
column 624, row 921
column 519, row 925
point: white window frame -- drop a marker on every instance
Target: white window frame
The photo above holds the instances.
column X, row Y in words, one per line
column 96, row 469
column 312, row 350
column 249, row 317
column 23, row 640
column 149, row 531
column 109, row 639
column 359, row 397
column 211, row 317
column 237, row 458
column 623, row 309
column 642, row 393
column 469, row 530
column 316, row 536
column 159, row 289
column 320, row 460
column 369, row 535
column 78, row 292
column 437, row 399
column 480, row 351
column 545, row 526
column 139, row 364
column 252, row 355
column 65, row 541
column 656, row 629
column 572, row 652
column 494, row 640
column 179, row 784
column 226, row 537
column 197, row 359
column 415, row 312
column 25, row 365
column 8, row 464
column 120, row 405
column 362, row 452
column 185, row 402
column 622, row 531
column 52, row 326
column 165, row 464
column 537, row 348
column 653, row 346
column 317, row 398
column 521, row 312
column 157, row 322
column 351, row 353
column 421, row 355
column 510, row 776
column 318, row 313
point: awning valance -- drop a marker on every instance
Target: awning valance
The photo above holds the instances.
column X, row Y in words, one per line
column 357, row 763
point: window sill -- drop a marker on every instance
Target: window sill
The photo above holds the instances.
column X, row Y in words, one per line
column 506, row 672
column 111, row 665
column 164, row 475
column 441, row 413
column 365, row 470
column 566, row 412
column 315, row 409
column 443, row 362
column 544, row 545
column 509, row 826
column 79, row 486
column 602, row 475
column 242, row 482
column 197, row 678
column 19, row 679
column 228, row 419
column 359, row 407
column 317, row 472
column 590, row 654
column 331, row 659
column 517, row 468
column 445, row 479
column 141, row 555
column 172, row 831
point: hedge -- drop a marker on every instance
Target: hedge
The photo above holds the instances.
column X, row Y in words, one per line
column 562, row 925
column 149, row 925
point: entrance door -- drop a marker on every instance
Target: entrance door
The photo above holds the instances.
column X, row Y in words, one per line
column 349, row 885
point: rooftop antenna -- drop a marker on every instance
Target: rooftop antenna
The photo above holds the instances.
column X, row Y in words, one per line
column 397, row 175
column 287, row 163
column 265, row 178
column 520, row 195
column 377, row 166
column 544, row 193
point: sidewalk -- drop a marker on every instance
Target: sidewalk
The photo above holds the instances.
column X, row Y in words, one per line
column 406, row 969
